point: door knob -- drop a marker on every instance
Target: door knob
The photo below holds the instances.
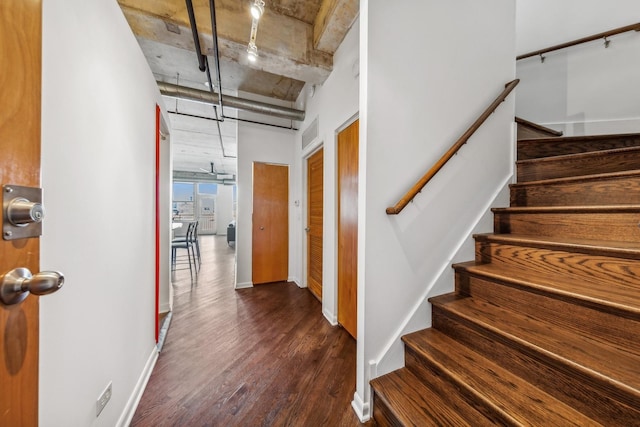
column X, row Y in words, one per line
column 18, row 283
column 261, row 227
column 307, row 229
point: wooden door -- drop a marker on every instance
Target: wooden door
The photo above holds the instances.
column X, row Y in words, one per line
column 20, row 75
column 270, row 249
column 314, row 223
column 348, row 228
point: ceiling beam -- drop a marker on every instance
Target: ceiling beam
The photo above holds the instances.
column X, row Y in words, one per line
column 285, row 44
column 333, row 21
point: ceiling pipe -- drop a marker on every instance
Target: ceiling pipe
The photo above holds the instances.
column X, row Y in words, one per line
column 216, row 53
column 195, row 116
column 190, row 94
column 196, row 38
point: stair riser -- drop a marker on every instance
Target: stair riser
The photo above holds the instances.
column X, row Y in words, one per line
column 618, row 226
column 383, row 416
column 605, row 270
column 538, row 149
column 613, row 191
column 577, row 166
column 601, row 402
column 616, row 331
column 445, row 385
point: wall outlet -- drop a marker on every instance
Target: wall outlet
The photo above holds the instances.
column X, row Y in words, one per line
column 103, row 399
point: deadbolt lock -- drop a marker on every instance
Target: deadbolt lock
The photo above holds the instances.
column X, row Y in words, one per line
column 22, row 212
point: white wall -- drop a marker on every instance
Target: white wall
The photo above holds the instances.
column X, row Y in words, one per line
column 428, row 69
column 258, row 143
column 224, row 208
column 98, row 173
column 584, row 89
column 334, row 104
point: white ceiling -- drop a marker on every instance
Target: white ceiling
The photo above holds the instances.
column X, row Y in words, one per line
column 196, row 141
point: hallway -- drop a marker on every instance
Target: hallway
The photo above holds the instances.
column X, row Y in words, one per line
column 261, row 356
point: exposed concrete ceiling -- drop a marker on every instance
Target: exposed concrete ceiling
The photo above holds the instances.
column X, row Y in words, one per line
column 296, row 40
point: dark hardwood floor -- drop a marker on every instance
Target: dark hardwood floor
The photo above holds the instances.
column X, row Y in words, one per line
column 253, row 357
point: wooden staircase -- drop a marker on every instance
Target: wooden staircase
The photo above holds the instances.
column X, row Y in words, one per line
column 543, row 328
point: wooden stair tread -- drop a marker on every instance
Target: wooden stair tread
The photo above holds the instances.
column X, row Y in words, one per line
column 629, row 250
column 578, row 156
column 492, row 384
column 587, row 189
column 597, row 222
column 563, row 347
column 570, row 209
column 622, row 299
column 537, row 147
column 556, row 140
column 413, row 403
column 578, row 178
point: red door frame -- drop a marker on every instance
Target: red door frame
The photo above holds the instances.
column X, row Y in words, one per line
column 157, row 249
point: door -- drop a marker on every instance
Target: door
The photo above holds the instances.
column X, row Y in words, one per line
column 314, row 223
column 348, row 228
column 206, row 213
column 20, row 76
column 270, row 249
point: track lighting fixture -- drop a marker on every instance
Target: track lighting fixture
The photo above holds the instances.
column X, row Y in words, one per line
column 252, row 52
column 257, row 8
column 252, row 49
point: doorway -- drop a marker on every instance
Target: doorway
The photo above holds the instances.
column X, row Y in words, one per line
column 314, row 231
column 270, row 229
column 163, row 289
column 348, row 227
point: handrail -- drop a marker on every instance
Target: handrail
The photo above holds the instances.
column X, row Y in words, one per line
column 413, row 192
column 632, row 27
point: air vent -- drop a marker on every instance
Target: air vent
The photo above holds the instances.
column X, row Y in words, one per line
column 310, row 134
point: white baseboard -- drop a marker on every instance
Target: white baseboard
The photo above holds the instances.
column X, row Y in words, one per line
column 164, row 308
column 362, row 410
column 332, row 318
column 244, row 285
column 134, row 399
column 296, row 281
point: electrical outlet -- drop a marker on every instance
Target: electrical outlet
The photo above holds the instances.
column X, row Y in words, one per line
column 103, row 399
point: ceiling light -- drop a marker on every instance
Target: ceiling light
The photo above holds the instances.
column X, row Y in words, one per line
column 257, row 8
column 252, row 52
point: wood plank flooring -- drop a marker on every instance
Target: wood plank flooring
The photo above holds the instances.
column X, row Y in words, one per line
column 253, row 357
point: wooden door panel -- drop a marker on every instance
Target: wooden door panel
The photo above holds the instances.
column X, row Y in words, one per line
column 315, row 190
column 348, row 228
column 270, row 249
column 20, row 76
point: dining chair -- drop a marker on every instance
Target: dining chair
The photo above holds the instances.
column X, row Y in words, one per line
column 187, row 243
